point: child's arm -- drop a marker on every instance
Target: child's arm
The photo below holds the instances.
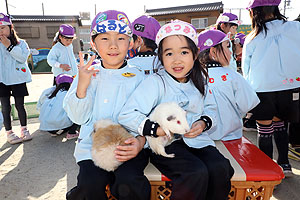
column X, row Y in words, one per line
column 208, row 117
column 245, row 96
column 79, row 110
column 19, row 52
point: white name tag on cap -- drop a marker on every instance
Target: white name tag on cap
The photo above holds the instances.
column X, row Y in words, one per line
column 295, row 96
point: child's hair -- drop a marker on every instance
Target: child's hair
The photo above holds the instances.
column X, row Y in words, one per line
column 13, row 37
column 204, row 55
column 218, row 26
column 149, row 43
column 57, row 39
column 198, row 74
column 63, row 87
column 259, row 18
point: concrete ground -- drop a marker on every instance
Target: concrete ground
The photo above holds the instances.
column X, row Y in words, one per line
column 44, row 168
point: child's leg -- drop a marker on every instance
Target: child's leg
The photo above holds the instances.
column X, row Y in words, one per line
column 130, row 182
column 282, row 142
column 91, row 182
column 220, row 172
column 265, row 133
column 21, row 110
column 188, row 173
column 6, row 110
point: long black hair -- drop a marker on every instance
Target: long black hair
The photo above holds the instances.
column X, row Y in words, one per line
column 198, row 74
column 259, row 17
column 13, row 37
column 62, row 87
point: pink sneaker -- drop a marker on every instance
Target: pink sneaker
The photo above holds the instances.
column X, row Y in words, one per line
column 12, row 138
column 25, row 135
column 72, row 136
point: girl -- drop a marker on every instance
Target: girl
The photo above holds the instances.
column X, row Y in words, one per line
column 228, row 23
column 14, row 74
column 270, row 64
column 61, row 57
column 102, row 96
column 145, row 29
column 196, row 169
column 233, row 94
column 52, row 115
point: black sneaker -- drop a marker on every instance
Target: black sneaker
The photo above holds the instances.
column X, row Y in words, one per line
column 287, row 170
column 249, row 125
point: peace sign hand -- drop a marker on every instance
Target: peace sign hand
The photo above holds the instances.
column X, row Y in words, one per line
column 85, row 73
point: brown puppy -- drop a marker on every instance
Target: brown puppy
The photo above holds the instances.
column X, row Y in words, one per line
column 106, row 137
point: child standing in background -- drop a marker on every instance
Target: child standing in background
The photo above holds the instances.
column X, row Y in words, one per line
column 61, row 57
column 102, row 96
column 228, row 23
column 232, row 93
column 270, row 64
column 145, row 29
column 198, row 170
column 14, row 74
column 52, row 115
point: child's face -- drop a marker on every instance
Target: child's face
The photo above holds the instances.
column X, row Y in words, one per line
column 227, row 28
column 238, row 49
column 65, row 41
column 224, row 60
column 112, row 48
column 177, row 57
column 4, row 31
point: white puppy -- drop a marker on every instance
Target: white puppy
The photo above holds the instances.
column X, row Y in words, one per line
column 172, row 119
column 106, row 137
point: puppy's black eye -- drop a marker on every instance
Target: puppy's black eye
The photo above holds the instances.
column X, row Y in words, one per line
column 171, row 117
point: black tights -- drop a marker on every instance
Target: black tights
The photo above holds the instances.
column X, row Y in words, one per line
column 6, row 111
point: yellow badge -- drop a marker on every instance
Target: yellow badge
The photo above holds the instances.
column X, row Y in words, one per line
column 128, row 74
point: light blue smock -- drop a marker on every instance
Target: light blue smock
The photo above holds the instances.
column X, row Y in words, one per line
column 60, row 54
column 13, row 64
column 106, row 95
column 52, row 115
column 157, row 89
column 146, row 62
column 234, row 98
column 271, row 62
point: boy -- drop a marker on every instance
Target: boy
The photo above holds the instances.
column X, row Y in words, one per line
column 99, row 92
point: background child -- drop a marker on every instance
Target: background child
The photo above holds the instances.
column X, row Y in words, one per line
column 102, row 96
column 196, row 169
column 270, row 64
column 14, row 74
column 52, row 115
column 145, row 29
column 61, row 57
column 228, row 23
column 232, row 93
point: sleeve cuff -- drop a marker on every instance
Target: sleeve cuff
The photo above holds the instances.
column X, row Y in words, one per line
column 208, row 122
column 150, row 128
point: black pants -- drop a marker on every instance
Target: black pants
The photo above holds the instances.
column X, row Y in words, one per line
column 294, row 134
column 127, row 182
column 6, row 111
column 72, row 129
column 196, row 174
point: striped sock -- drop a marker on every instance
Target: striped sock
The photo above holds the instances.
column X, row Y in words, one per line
column 265, row 133
column 281, row 141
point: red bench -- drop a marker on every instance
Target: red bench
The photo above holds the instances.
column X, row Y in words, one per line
column 254, row 178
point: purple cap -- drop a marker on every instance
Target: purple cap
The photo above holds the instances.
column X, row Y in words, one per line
column 177, row 27
column 210, row 38
column 146, row 26
column 67, row 30
column 258, row 3
column 5, row 20
column 228, row 18
column 239, row 38
column 111, row 20
column 63, row 78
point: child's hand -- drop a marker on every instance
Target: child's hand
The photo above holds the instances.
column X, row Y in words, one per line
column 131, row 149
column 85, row 73
column 160, row 132
column 196, row 129
column 65, row 67
column 5, row 41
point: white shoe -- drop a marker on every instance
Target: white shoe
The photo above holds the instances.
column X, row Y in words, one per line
column 12, row 138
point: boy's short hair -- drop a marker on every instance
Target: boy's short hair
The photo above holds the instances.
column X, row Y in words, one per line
column 111, row 20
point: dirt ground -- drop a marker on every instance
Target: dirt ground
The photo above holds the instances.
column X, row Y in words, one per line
column 45, row 168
